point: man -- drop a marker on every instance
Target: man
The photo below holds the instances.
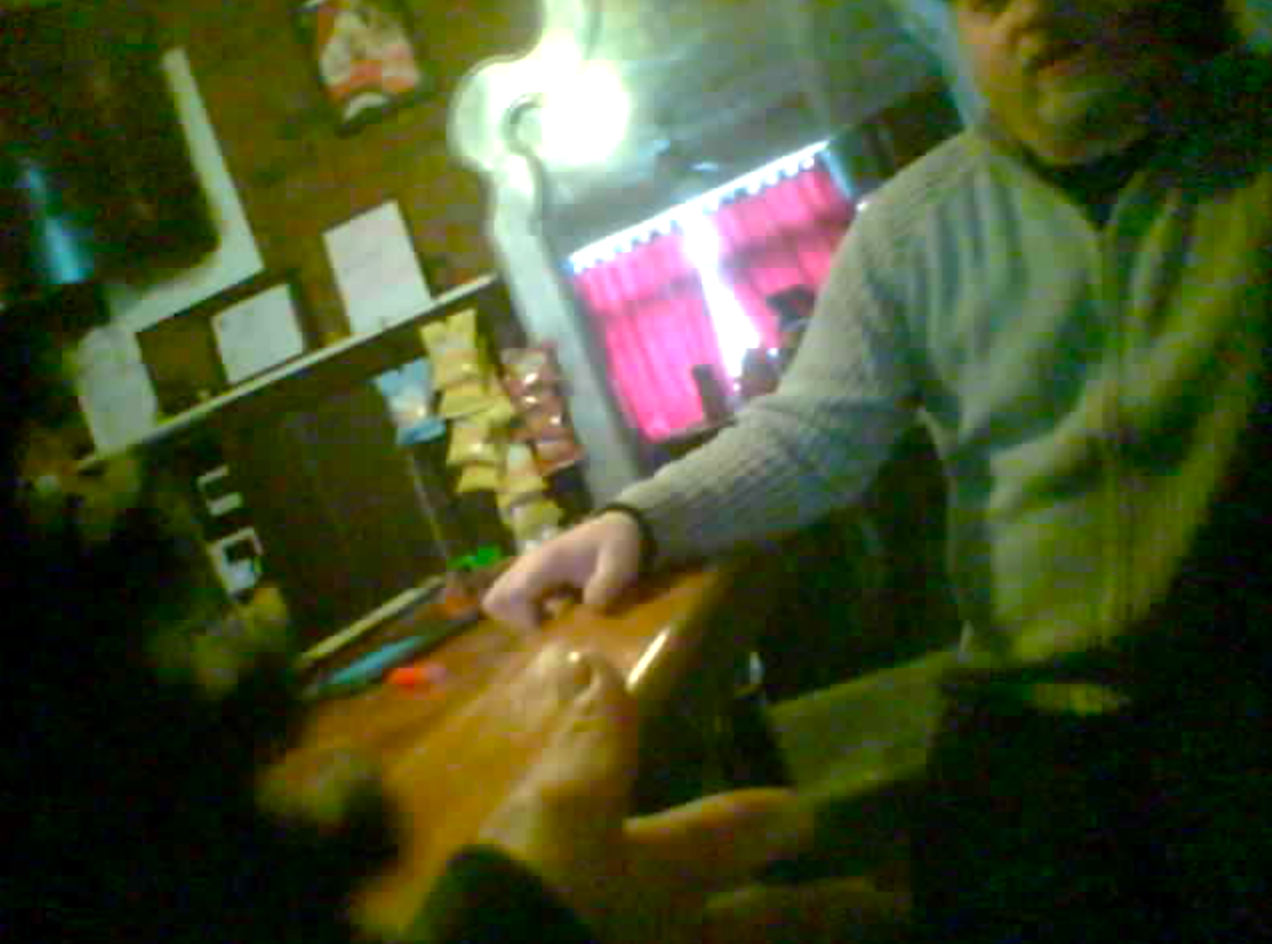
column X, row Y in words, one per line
column 1075, row 295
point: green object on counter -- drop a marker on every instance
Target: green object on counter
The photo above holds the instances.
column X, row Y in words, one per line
column 482, row 557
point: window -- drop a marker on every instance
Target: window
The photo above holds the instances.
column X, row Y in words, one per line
column 690, row 287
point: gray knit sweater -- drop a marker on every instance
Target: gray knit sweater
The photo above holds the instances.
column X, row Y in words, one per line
column 1084, row 386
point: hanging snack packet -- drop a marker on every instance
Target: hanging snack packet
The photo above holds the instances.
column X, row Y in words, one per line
column 534, row 521
column 473, row 440
column 542, row 416
column 443, row 354
column 521, row 473
column 532, row 517
column 478, row 477
column 500, row 412
column 545, row 427
column 553, row 455
column 408, row 392
column 453, row 348
column 468, row 397
column 530, row 368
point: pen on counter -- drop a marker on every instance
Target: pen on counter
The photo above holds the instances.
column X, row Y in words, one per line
column 371, row 668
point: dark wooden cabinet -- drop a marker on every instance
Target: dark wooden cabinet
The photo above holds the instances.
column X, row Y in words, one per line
column 333, row 501
column 347, row 517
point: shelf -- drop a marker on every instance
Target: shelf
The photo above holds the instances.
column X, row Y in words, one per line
column 183, row 421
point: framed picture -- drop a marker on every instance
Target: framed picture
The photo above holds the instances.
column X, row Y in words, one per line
column 260, row 329
column 377, row 270
column 365, row 56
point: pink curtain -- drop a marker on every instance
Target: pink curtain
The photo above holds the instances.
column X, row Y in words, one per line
column 780, row 237
column 648, row 310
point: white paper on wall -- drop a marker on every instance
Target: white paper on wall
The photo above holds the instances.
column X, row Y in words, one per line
column 258, row 333
column 114, row 388
column 376, row 269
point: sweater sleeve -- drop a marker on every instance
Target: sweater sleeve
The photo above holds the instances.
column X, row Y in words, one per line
column 484, row 897
column 811, row 446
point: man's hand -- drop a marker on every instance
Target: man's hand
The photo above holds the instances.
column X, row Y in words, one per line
column 599, row 558
column 643, row 879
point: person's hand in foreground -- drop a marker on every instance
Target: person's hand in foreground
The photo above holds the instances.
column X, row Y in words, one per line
column 643, row 879
column 599, row 558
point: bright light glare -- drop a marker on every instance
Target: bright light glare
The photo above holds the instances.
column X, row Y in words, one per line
column 557, row 60
column 734, row 332
column 585, row 115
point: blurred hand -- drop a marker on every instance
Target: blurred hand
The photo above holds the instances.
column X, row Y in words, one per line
column 630, row 879
column 599, row 558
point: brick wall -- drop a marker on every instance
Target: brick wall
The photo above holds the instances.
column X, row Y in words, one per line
column 296, row 176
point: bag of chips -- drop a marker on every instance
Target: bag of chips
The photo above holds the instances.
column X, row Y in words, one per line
column 500, row 412
column 530, row 368
column 473, row 440
column 454, row 350
column 408, row 391
column 521, row 473
column 468, row 397
column 533, row 520
column 553, row 455
column 478, row 477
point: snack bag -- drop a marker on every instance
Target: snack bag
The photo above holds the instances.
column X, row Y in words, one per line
column 500, row 412
column 454, row 350
column 468, row 397
column 542, row 414
column 532, row 517
column 545, row 427
column 478, row 477
column 533, row 522
column 521, row 473
column 408, row 391
column 473, row 440
column 533, row 379
column 530, row 368
column 553, row 455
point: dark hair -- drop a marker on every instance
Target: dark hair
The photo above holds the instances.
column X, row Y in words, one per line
column 136, row 787
column 1208, row 27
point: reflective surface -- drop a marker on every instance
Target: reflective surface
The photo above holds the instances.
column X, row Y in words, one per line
column 624, row 108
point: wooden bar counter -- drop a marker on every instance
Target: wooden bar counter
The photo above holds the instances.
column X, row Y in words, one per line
column 450, row 751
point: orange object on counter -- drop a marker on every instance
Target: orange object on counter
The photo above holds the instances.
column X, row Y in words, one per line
column 450, row 754
column 424, row 675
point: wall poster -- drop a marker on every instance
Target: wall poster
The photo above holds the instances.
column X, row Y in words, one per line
column 365, row 55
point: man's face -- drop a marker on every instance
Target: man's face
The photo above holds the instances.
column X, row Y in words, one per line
column 1075, row 80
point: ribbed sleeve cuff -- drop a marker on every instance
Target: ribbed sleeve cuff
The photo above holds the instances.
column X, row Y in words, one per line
column 648, row 543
